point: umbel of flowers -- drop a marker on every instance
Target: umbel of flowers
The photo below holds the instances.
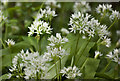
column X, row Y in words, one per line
column 40, row 24
column 28, row 65
column 71, row 72
column 55, row 48
column 114, row 56
column 106, row 10
column 88, row 26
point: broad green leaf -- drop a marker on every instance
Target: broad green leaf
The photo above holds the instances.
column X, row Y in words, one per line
column 15, row 48
column 101, row 75
column 83, row 52
column 90, row 66
column 31, row 41
column 44, row 43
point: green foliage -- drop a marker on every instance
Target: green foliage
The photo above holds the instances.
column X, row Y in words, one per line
column 81, row 51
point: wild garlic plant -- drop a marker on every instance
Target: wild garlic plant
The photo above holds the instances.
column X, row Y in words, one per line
column 40, row 24
column 83, row 50
column 88, row 26
column 55, row 48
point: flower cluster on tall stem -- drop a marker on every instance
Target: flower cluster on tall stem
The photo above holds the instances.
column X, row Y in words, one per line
column 106, row 10
column 88, row 26
column 55, row 48
column 41, row 23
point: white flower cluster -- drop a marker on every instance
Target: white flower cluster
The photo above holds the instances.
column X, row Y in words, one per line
column 52, row 3
column 2, row 17
column 106, row 41
column 10, row 42
column 55, row 48
column 39, row 27
column 97, row 53
column 82, row 6
column 32, row 63
column 71, row 72
column 114, row 56
column 46, row 14
column 115, row 14
column 102, row 9
column 85, row 25
column 88, row 26
column 106, row 10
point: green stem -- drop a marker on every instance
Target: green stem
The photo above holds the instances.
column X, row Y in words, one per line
column 31, row 50
column 10, row 54
column 60, row 70
column 112, row 24
column 83, row 64
column 2, row 43
column 106, row 66
column 72, row 60
column 6, row 30
column 75, row 51
column 38, row 42
column 56, row 69
column 103, row 16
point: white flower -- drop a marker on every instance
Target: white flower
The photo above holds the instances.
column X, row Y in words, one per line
column 55, row 48
column 46, row 14
column 115, row 14
column 82, row 6
column 64, row 31
column 79, row 22
column 104, row 9
column 52, row 3
column 39, row 27
column 106, row 41
column 114, row 56
column 9, row 75
column 71, row 72
column 10, row 42
column 97, row 53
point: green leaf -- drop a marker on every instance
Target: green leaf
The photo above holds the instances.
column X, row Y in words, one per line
column 44, row 43
column 31, row 41
column 101, row 75
column 15, row 48
column 83, row 52
column 90, row 66
column 5, row 76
